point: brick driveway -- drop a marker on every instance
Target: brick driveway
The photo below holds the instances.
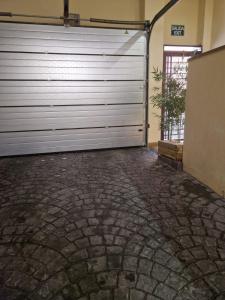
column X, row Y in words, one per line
column 108, row 225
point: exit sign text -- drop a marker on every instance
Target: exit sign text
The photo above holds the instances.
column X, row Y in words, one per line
column 177, row 30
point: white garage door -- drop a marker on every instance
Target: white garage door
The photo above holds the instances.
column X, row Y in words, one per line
column 64, row 89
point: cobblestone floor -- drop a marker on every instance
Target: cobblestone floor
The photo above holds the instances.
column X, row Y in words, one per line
column 108, row 225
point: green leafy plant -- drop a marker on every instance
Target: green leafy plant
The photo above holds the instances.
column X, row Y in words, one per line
column 171, row 98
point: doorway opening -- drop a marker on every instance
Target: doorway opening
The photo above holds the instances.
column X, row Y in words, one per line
column 175, row 64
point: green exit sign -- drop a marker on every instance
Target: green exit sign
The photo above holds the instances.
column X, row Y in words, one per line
column 177, row 30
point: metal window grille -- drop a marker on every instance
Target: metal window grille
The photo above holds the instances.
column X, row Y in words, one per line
column 175, row 65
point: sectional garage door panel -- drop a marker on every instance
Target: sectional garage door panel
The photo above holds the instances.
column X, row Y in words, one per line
column 64, row 89
column 39, row 93
column 72, row 61
column 55, row 39
column 41, row 118
column 16, row 143
column 60, row 33
column 61, row 67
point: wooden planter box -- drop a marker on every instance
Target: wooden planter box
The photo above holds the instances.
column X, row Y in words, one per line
column 171, row 149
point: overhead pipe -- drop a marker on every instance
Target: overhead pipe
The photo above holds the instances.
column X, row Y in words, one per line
column 93, row 20
column 117, row 21
column 70, row 18
column 66, row 9
column 9, row 14
column 66, row 12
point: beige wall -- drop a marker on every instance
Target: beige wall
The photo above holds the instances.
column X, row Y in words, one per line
column 107, row 9
column 189, row 13
column 38, row 7
column 207, row 26
column 218, row 27
column 116, row 9
column 156, row 60
column 204, row 147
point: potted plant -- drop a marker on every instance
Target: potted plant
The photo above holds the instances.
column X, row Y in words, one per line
column 171, row 101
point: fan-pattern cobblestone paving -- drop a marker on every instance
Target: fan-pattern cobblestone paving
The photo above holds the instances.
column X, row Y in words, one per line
column 106, row 225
